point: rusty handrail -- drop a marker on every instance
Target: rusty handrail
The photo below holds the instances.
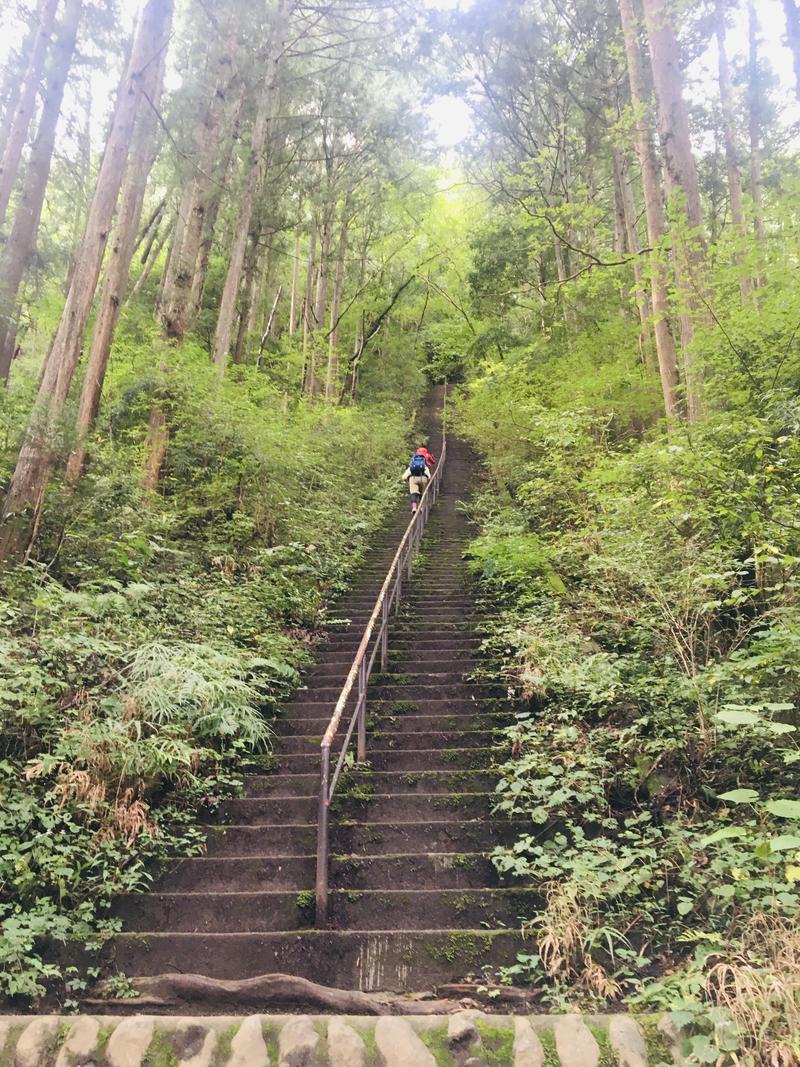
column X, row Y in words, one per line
column 363, row 662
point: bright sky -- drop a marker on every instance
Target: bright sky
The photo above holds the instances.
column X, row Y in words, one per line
column 449, row 116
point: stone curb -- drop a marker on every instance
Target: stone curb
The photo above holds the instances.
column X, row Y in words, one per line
column 466, row 1039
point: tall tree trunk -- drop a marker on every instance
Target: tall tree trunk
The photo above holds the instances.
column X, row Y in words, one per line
column 26, row 105
column 13, row 77
column 177, row 308
column 683, row 189
column 754, row 123
column 148, row 233
column 792, row 12
column 338, row 281
column 252, row 180
column 731, row 149
column 308, row 310
column 246, row 298
column 654, row 214
column 140, row 162
column 29, row 481
column 295, row 283
column 152, row 258
column 633, row 248
column 16, row 255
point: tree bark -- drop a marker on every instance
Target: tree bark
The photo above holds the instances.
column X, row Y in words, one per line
column 333, row 338
column 246, row 298
column 252, row 181
column 308, row 310
column 295, row 283
column 754, row 123
column 26, row 104
column 654, row 214
column 735, row 190
column 150, row 262
column 683, row 189
column 16, row 255
column 177, row 307
column 29, row 481
column 792, row 12
column 140, row 162
column 632, row 247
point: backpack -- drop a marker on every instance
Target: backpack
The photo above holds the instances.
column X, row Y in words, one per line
column 417, row 465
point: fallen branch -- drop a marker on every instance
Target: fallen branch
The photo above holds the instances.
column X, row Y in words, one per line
column 165, row 990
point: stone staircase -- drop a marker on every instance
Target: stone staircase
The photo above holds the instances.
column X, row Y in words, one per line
column 414, row 901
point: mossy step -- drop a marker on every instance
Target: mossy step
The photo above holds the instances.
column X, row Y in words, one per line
column 392, row 960
column 435, row 870
column 398, row 783
column 259, row 810
column 372, row 838
column 381, row 741
column 398, row 760
column 216, row 912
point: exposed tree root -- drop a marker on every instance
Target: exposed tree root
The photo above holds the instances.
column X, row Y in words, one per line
column 278, row 990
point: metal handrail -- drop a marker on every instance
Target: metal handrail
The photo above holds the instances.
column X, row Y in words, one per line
column 389, row 597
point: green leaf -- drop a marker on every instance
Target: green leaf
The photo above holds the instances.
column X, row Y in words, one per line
column 739, row 796
column 738, row 717
column 783, row 842
column 784, row 809
column 725, row 833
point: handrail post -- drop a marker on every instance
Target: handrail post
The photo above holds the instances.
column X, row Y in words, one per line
column 362, row 711
column 323, row 843
column 410, row 552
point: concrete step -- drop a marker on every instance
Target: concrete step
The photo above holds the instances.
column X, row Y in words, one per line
column 381, row 741
column 419, row 687
column 367, row 838
column 265, row 811
column 397, row 783
column 349, row 909
column 427, row 760
column 446, row 870
column 392, row 959
column 447, row 719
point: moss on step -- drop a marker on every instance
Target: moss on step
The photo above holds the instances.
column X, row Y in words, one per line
column 466, row 949
column 498, row 1043
column 436, row 1043
column 9, row 1049
column 658, row 1048
column 222, row 1051
column 160, row 1052
column 607, row 1055
column 270, row 1032
column 548, row 1042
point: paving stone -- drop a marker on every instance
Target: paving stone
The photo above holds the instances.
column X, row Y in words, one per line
column 461, row 1031
column 80, row 1046
column 194, row 1044
column 248, row 1047
column 345, row 1047
column 528, row 1051
column 399, row 1045
column 575, row 1044
column 667, row 1027
column 130, row 1041
column 627, row 1040
column 34, row 1040
column 298, row 1044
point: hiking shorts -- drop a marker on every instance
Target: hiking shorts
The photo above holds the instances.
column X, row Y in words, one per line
column 417, row 485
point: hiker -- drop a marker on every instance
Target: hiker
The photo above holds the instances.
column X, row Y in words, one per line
column 427, row 456
column 417, row 474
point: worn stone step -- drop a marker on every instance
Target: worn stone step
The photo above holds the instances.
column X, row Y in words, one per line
column 441, row 760
column 447, row 870
column 367, row 838
column 398, row 783
column 381, row 741
column 438, row 642
column 421, row 688
column 363, row 909
column 429, row 672
column 448, row 719
column 391, row 960
column 264, row 811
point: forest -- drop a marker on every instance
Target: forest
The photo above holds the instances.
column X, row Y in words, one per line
column 237, row 247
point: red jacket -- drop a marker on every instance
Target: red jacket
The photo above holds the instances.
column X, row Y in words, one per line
column 429, row 459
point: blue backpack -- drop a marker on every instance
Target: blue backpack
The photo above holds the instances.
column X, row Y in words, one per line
column 417, row 465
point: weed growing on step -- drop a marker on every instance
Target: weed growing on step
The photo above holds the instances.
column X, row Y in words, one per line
column 608, row 1058
column 435, row 1040
column 161, row 1052
column 548, row 1042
